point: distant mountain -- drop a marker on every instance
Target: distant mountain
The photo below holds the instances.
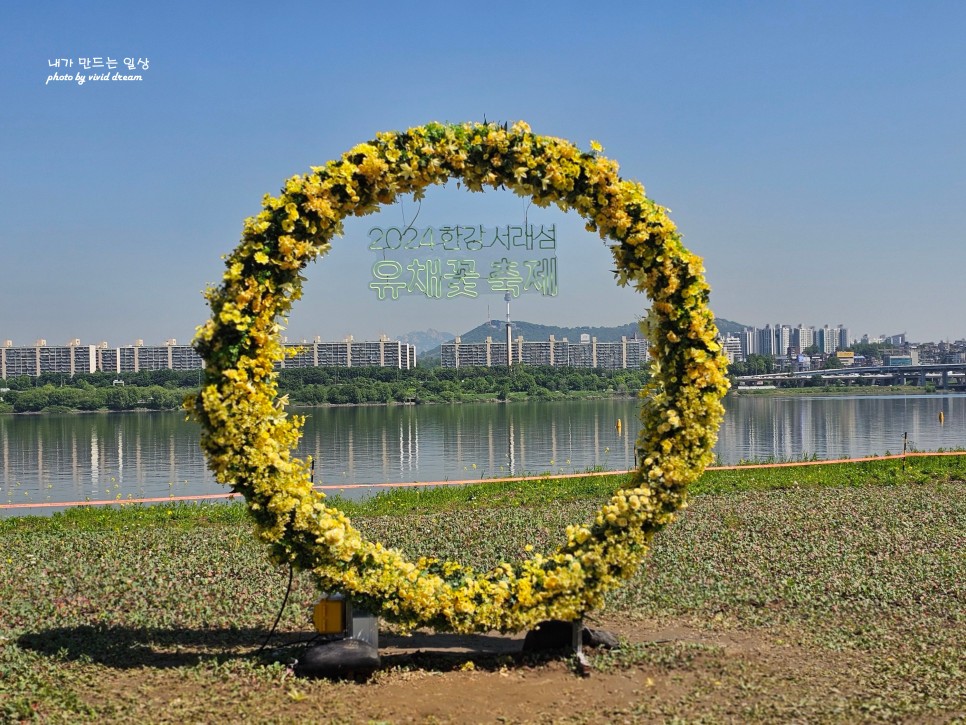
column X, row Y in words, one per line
column 496, row 329
column 424, row 340
column 727, row 327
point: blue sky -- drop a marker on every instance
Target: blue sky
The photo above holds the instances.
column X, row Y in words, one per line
column 812, row 153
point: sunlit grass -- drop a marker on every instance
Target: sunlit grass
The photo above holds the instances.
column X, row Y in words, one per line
column 856, row 569
column 598, row 486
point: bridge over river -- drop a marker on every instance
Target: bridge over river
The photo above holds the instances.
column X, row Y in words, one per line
column 945, row 376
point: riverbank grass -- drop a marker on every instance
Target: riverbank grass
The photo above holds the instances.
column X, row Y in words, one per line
column 598, row 485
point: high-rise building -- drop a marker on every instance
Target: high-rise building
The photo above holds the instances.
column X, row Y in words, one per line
column 783, row 340
column 588, row 353
column 349, row 353
column 803, row 337
column 41, row 358
column 74, row 358
column 732, row 348
column 137, row 357
column 766, row 341
column 749, row 342
column 827, row 340
column 845, row 338
column 533, row 353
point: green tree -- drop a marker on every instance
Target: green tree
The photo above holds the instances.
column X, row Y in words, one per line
column 872, row 352
column 753, row 365
column 833, row 363
column 121, row 398
column 32, row 400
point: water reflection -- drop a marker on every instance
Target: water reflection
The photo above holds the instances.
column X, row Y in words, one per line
column 59, row 458
column 410, row 443
column 81, row 457
column 761, row 428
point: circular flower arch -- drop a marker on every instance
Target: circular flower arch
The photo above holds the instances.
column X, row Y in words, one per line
column 249, row 438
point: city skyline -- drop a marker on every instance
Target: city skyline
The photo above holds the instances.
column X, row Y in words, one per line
column 811, row 154
column 798, row 348
column 844, row 334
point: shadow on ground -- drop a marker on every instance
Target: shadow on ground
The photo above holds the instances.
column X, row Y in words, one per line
column 131, row 647
column 127, row 647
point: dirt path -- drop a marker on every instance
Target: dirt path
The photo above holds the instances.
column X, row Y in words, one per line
column 666, row 670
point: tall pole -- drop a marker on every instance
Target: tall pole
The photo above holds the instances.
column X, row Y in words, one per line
column 509, row 344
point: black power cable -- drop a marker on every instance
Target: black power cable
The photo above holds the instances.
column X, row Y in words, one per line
column 291, row 574
column 288, row 590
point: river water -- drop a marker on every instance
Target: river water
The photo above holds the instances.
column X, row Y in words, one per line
column 51, row 459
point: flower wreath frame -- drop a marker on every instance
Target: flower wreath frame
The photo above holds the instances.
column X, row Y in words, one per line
column 249, row 438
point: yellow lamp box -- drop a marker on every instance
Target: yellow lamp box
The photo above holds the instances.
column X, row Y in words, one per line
column 335, row 615
column 329, row 614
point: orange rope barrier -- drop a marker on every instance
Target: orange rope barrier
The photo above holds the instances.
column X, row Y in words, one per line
column 464, row 482
column 109, row 502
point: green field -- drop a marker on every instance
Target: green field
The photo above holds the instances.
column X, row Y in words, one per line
column 823, row 593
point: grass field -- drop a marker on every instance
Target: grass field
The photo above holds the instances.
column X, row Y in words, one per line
column 825, row 593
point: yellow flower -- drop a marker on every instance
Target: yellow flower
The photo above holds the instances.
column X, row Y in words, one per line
column 249, row 439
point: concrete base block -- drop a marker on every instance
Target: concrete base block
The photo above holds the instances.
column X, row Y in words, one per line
column 558, row 635
column 339, row 658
